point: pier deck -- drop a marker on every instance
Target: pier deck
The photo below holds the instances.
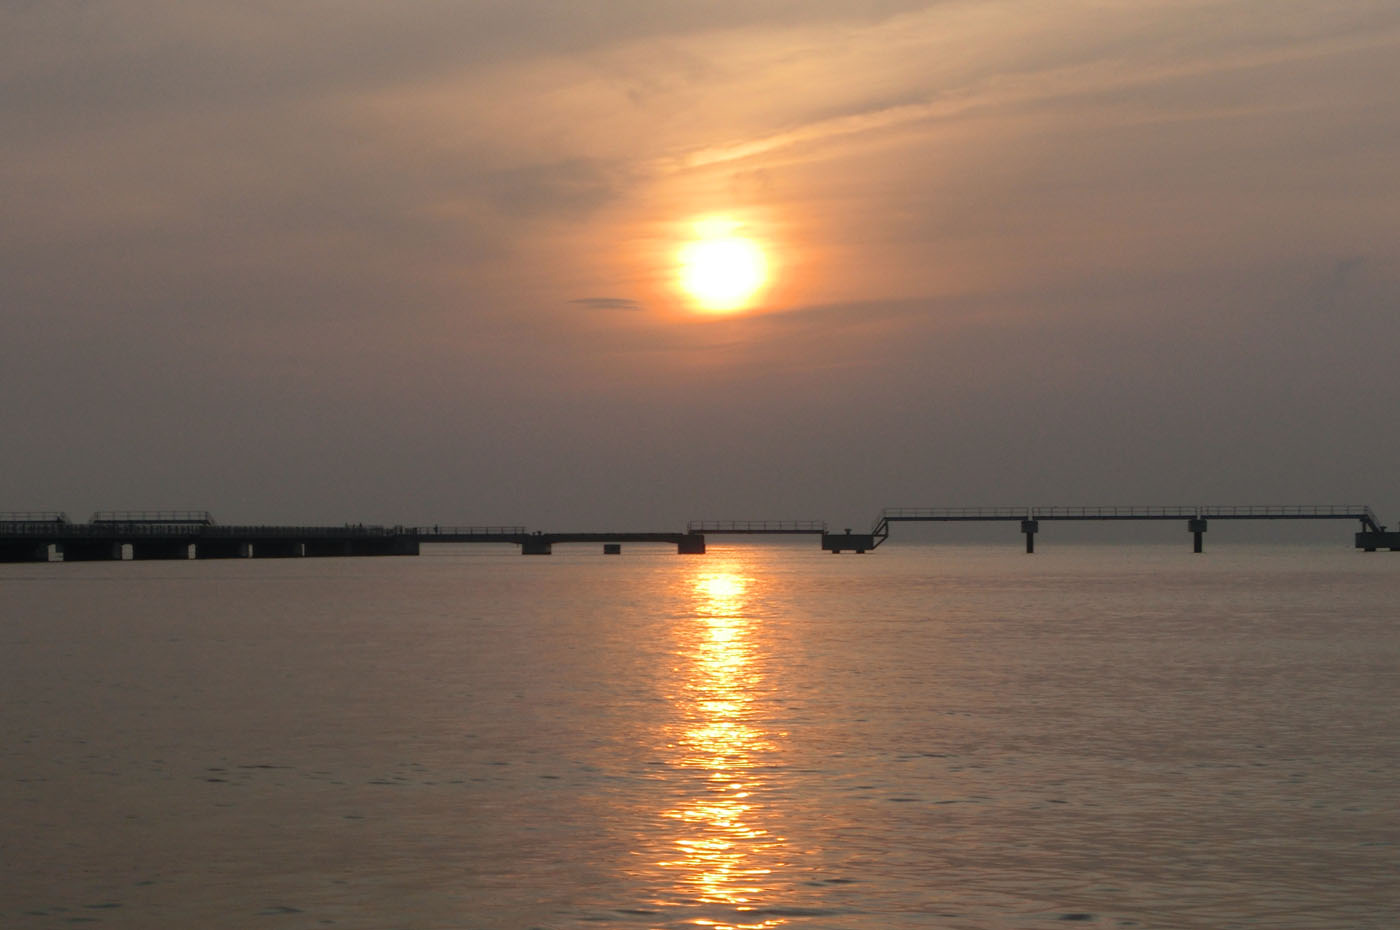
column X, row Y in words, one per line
column 1197, row 519
column 35, row 536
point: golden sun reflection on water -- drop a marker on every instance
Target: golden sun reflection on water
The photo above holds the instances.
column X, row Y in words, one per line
column 723, row 853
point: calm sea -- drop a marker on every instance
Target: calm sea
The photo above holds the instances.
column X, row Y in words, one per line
column 765, row 736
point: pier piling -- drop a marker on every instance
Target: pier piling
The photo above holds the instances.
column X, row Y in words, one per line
column 1197, row 528
column 1030, row 528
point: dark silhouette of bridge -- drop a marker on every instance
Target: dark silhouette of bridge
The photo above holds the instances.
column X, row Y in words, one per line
column 35, row 536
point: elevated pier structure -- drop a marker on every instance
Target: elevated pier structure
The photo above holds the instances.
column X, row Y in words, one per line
column 757, row 527
column 541, row 543
column 32, row 536
column 178, row 535
column 1196, row 519
column 760, row 528
column 845, row 541
column 544, row 543
column 17, row 544
column 181, row 535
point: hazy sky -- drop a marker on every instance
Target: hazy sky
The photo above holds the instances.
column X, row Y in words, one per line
column 415, row 261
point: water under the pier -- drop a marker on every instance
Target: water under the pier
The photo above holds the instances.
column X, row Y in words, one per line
column 765, row 736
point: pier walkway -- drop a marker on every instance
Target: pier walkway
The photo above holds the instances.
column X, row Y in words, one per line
column 1197, row 518
column 757, row 527
column 38, row 536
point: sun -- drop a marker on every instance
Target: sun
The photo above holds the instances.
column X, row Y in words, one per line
column 720, row 269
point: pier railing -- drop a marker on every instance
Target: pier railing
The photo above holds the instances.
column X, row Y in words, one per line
column 162, row 517
column 954, row 513
column 122, row 530
column 1361, row 512
column 756, row 526
column 428, row 532
column 46, row 518
column 1257, row 511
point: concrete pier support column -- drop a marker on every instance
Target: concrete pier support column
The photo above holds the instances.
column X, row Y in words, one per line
column 691, row 544
column 533, row 546
column 165, row 549
column 24, row 552
column 1030, row 528
column 612, row 548
column 91, row 551
column 1197, row 527
column 222, row 549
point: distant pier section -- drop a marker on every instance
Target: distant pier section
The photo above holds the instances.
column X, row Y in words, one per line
column 845, row 541
column 182, row 534
column 32, row 536
column 43, row 536
column 1372, row 536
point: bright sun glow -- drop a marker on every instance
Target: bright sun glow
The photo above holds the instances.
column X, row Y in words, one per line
column 721, row 270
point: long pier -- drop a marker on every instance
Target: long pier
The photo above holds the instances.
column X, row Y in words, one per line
column 36, row 536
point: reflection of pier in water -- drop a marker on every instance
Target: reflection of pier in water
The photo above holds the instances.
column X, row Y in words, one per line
column 37, row 536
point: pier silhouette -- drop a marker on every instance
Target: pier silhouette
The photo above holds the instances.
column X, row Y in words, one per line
column 36, row 536
column 1197, row 519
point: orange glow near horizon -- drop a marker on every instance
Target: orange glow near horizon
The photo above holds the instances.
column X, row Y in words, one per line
column 721, row 270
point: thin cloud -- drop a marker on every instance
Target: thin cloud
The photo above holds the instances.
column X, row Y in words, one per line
column 1032, row 87
column 607, row 303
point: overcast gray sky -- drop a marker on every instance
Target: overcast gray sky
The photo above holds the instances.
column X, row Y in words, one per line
column 416, row 261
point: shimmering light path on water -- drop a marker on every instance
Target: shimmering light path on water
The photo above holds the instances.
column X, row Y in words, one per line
column 762, row 737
